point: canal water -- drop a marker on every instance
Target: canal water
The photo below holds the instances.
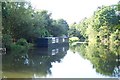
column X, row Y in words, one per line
column 77, row 61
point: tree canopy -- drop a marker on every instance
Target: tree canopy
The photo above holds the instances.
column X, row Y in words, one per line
column 20, row 20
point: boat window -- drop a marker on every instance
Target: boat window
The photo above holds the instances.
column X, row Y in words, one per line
column 57, row 40
column 53, row 40
column 63, row 40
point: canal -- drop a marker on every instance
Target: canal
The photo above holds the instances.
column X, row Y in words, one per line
column 78, row 61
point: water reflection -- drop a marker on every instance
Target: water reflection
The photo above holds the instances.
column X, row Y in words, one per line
column 105, row 58
column 35, row 63
column 41, row 62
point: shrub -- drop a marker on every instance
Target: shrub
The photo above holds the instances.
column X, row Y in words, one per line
column 22, row 42
column 20, row 47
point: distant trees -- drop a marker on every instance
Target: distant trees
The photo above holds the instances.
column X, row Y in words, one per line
column 74, row 32
column 102, row 30
column 101, row 26
column 59, row 27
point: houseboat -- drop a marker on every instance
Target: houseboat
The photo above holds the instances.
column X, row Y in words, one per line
column 51, row 41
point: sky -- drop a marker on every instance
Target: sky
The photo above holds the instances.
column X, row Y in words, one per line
column 70, row 10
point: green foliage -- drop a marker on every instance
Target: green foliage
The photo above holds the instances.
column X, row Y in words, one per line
column 100, row 27
column 73, row 39
column 20, row 20
column 118, row 6
column 103, row 31
column 105, row 16
column 22, row 42
column 6, row 41
column 18, row 49
column 82, row 27
column 21, row 46
column 22, row 23
column 16, row 19
column 74, row 31
column 115, row 38
column 92, row 34
column 60, row 27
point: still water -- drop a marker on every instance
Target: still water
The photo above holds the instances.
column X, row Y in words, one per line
column 78, row 61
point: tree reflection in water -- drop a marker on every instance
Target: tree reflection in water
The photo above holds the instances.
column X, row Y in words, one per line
column 35, row 63
column 105, row 58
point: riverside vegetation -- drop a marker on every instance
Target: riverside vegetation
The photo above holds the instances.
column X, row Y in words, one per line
column 22, row 24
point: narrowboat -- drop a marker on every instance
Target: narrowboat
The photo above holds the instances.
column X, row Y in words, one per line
column 51, row 41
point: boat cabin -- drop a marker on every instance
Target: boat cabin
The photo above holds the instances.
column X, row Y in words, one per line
column 51, row 41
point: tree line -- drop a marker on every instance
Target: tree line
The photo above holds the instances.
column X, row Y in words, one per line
column 102, row 32
column 22, row 23
column 103, row 26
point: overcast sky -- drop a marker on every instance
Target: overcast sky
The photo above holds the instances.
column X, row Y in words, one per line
column 70, row 10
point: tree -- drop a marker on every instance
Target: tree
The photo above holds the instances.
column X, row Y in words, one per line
column 16, row 19
column 59, row 27
column 105, row 16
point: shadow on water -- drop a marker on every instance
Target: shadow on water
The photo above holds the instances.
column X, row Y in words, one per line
column 37, row 62
column 105, row 58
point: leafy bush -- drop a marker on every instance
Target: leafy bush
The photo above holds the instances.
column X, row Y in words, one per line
column 20, row 47
column 22, row 42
